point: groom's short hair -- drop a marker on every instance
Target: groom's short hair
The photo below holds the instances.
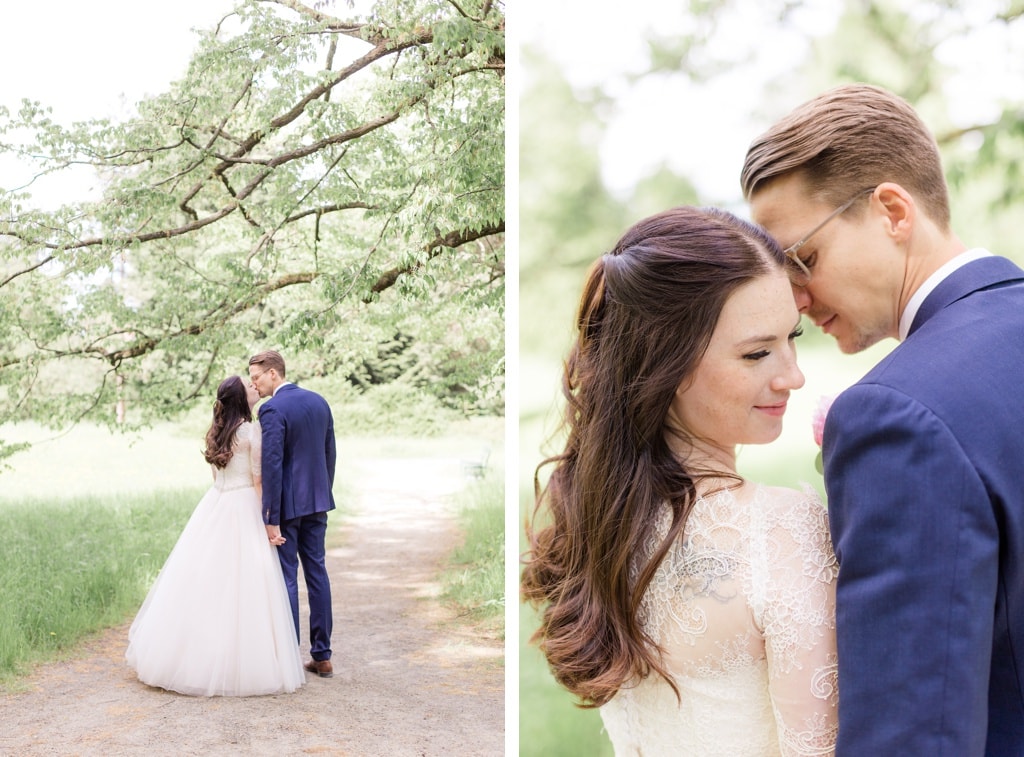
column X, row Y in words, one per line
column 269, row 359
column 847, row 140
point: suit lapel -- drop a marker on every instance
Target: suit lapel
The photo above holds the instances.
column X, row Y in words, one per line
column 975, row 276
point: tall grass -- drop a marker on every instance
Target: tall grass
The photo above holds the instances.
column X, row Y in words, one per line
column 475, row 580
column 71, row 567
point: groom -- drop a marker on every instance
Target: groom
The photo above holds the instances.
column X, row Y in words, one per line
column 924, row 456
column 299, row 456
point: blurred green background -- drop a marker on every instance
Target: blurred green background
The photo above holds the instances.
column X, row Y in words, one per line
column 624, row 115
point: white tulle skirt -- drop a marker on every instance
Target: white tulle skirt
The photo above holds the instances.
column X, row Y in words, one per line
column 217, row 621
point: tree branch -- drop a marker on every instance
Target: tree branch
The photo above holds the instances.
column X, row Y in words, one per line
column 219, row 318
column 325, row 209
column 22, row 272
column 450, row 241
column 333, row 23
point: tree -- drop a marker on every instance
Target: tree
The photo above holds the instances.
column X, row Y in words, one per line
column 570, row 216
column 311, row 182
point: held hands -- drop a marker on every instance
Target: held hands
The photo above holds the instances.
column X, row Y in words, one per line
column 274, row 535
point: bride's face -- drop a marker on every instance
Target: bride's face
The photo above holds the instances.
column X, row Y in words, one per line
column 738, row 393
column 252, row 394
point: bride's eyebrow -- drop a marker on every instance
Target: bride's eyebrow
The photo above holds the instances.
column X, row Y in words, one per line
column 752, row 341
column 756, row 340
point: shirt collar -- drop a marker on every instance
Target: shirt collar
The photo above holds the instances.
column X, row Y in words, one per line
column 944, row 271
column 283, row 383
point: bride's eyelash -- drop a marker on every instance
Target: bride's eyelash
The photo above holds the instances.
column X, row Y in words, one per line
column 761, row 354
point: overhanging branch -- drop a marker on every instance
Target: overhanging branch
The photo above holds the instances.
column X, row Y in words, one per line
column 223, row 313
column 223, row 316
column 449, row 241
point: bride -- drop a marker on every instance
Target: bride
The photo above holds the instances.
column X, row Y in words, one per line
column 217, row 621
column 694, row 607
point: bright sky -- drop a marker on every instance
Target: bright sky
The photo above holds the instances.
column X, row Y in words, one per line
column 700, row 131
column 704, row 131
column 84, row 57
column 98, row 58
column 94, row 59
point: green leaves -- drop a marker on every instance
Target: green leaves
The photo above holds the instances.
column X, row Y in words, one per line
column 304, row 170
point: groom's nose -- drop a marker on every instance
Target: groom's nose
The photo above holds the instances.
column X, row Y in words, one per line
column 802, row 297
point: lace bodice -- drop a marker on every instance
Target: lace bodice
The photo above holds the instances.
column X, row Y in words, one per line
column 245, row 463
column 744, row 608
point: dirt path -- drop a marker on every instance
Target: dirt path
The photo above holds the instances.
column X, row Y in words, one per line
column 408, row 680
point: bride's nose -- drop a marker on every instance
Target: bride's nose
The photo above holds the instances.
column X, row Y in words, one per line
column 790, row 376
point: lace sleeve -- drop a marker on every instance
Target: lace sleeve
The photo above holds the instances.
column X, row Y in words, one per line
column 256, row 450
column 799, row 572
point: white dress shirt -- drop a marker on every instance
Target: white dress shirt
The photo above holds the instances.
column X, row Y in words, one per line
column 910, row 312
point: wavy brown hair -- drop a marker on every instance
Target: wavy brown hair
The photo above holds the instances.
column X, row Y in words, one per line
column 230, row 410
column 645, row 319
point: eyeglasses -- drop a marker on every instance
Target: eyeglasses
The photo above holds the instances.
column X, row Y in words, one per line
column 802, row 275
column 257, row 377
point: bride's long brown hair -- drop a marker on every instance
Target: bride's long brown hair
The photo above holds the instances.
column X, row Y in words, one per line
column 645, row 319
column 230, row 410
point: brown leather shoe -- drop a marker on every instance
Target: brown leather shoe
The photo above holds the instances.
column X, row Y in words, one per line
column 322, row 668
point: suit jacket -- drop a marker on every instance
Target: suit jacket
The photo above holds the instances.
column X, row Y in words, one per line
column 299, row 454
column 924, row 469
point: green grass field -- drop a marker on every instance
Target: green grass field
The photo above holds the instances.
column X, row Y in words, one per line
column 475, row 579
column 90, row 518
column 73, row 566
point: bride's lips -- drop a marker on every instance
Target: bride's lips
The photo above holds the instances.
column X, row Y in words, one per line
column 773, row 410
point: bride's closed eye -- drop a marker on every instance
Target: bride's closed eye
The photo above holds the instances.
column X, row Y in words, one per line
column 762, row 354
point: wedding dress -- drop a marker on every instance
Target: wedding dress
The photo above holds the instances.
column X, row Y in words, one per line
column 217, row 620
column 744, row 608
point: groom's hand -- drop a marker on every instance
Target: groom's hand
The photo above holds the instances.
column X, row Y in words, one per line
column 274, row 535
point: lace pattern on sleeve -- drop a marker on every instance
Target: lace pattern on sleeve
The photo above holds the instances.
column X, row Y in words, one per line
column 743, row 608
column 796, row 566
column 798, row 620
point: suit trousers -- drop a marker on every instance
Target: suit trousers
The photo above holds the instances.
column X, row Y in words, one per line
column 305, row 544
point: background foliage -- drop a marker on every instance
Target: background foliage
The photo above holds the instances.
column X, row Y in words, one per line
column 662, row 116
column 318, row 182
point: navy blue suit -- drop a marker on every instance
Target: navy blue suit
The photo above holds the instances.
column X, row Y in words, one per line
column 299, row 456
column 924, row 469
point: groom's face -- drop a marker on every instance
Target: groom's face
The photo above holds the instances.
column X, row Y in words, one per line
column 855, row 270
column 262, row 379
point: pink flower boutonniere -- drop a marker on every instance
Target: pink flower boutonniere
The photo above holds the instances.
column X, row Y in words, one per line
column 818, row 427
